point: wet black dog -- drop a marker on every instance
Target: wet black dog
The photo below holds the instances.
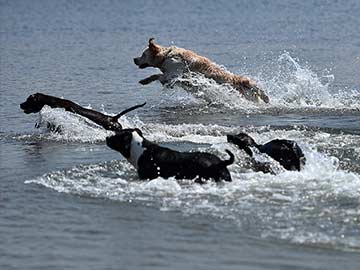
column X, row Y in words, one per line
column 152, row 160
column 36, row 102
column 286, row 152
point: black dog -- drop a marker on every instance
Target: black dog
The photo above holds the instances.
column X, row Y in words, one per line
column 36, row 102
column 286, row 152
column 152, row 160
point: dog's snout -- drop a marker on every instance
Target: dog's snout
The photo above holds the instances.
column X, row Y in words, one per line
column 136, row 61
column 25, row 108
column 230, row 138
column 109, row 140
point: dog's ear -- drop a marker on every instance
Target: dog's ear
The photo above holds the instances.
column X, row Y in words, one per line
column 154, row 48
column 35, row 97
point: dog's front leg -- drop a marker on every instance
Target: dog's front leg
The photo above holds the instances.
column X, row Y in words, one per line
column 150, row 79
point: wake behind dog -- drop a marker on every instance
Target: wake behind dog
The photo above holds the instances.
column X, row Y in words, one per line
column 177, row 62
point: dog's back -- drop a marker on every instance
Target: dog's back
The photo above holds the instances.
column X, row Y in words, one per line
column 200, row 64
column 161, row 161
column 286, row 152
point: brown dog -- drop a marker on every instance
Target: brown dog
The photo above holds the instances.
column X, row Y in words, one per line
column 175, row 62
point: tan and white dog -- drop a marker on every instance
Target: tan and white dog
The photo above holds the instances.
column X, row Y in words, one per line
column 175, row 62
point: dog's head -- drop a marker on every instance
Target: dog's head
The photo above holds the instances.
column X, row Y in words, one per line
column 151, row 56
column 128, row 142
column 243, row 141
column 33, row 104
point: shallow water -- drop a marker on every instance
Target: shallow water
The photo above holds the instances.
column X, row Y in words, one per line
column 69, row 202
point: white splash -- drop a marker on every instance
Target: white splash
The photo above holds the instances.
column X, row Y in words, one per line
column 286, row 82
column 290, row 206
column 317, row 206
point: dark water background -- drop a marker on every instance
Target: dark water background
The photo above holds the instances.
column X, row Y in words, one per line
column 69, row 202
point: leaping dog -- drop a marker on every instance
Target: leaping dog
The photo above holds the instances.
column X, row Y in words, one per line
column 286, row 152
column 175, row 62
column 152, row 160
column 36, row 102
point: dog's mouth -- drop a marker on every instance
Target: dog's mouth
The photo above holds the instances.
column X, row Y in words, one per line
column 110, row 142
column 144, row 65
column 230, row 138
column 25, row 110
column 113, row 142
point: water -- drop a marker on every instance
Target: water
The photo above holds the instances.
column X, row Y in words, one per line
column 69, row 202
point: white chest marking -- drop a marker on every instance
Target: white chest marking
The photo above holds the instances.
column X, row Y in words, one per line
column 136, row 149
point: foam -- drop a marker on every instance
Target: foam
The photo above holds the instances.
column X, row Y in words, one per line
column 288, row 84
column 289, row 206
column 318, row 206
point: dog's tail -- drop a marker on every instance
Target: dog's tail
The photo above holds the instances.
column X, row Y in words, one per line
column 230, row 160
column 252, row 92
column 116, row 117
column 260, row 94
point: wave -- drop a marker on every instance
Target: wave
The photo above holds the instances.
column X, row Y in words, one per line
column 75, row 128
column 290, row 206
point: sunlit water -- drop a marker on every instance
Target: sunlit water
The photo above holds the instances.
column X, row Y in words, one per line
column 69, row 202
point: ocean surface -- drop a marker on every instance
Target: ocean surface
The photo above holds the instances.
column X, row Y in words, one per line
column 67, row 201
